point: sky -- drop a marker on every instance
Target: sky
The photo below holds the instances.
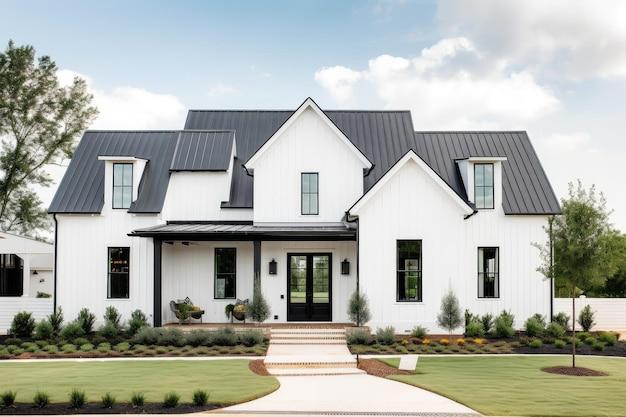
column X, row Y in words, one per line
column 556, row 69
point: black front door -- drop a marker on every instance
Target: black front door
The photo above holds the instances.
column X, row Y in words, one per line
column 309, row 287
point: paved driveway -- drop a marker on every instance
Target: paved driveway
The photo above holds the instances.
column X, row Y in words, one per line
column 349, row 394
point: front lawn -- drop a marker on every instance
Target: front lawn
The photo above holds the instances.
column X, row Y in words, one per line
column 226, row 381
column 517, row 386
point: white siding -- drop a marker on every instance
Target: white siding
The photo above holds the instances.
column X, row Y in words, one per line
column 308, row 145
column 412, row 206
column 610, row 313
column 9, row 306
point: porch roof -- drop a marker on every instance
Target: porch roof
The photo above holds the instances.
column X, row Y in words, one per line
column 244, row 231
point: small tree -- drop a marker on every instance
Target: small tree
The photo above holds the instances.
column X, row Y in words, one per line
column 581, row 250
column 586, row 318
column 358, row 308
column 450, row 316
column 258, row 309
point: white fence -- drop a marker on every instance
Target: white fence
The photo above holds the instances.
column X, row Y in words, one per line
column 9, row 306
column 609, row 313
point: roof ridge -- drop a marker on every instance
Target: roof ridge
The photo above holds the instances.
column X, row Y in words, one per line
column 283, row 110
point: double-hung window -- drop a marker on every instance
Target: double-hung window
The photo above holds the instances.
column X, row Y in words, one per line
column 483, row 186
column 122, row 185
column 488, row 272
column 409, row 270
column 310, row 193
column 119, row 272
column 225, row 272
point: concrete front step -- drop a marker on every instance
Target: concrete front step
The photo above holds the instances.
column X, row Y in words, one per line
column 308, row 342
column 314, row 371
column 307, row 331
column 308, row 336
column 310, row 361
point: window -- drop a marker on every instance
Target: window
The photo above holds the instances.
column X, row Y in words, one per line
column 483, row 186
column 225, row 272
column 122, row 185
column 409, row 270
column 310, row 193
column 488, row 273
column 119, row 272
column 11, row 275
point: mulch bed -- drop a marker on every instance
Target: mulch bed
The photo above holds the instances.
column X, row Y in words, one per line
column 381, row 369
column 55, row 409
column 568, row 370
column 258, row 367
column 619, row 349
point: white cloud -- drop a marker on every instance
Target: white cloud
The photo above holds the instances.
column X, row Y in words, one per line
column 571, row 38
column 450, row 85
column 131, row 107
column 221, row 89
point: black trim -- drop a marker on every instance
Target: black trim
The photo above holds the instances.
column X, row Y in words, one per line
column 309, row 277
column 215, row 297
column 157, row 290
column 54, row 273
column 109, row 273
column 497, row 289
column 242, row 222
column 317, row 208
column 420, row 286
column 132, row 174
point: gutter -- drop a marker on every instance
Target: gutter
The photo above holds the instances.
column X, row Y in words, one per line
column 54, row 274
column 246, row 169
column 369, row 171
column 467, row 216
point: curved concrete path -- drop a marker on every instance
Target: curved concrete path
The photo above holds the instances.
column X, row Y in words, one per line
column 349, row 394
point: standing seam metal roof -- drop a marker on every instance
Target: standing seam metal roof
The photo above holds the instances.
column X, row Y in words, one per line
column 203, row 150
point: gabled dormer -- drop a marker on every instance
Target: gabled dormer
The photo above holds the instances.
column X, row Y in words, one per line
column 482, row 178
column 122, row 176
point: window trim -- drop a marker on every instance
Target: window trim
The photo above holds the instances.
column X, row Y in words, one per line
column 493, row 185
column 420, row 288
column 497, row 248
column 317, row 211
column 18, row 263
column 215, row 297
column 132, row 179
column 109, row 273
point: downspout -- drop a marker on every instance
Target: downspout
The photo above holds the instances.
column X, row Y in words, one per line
column 356, row 220
column 551, row 270
column 54, row 275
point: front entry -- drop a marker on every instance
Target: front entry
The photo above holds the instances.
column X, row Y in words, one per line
column 309, row 287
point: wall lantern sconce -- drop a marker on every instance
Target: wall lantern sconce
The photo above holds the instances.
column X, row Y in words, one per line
column 272, row 267
column 345, row 267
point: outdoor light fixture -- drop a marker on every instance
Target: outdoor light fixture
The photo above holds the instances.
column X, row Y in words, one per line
column 345, row 267
column 272, row 267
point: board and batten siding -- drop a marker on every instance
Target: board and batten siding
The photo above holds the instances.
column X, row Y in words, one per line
column 308, row 145
column 609, row 313
column 412, row 206
column 10, row 306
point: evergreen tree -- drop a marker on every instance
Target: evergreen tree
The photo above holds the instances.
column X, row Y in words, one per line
column 450, row 316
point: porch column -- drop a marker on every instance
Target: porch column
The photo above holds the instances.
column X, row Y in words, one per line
column 156, row 313
column 25, row 275
column 257, row 264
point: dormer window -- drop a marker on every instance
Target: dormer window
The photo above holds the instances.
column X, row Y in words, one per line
column 122, row 185
column 310, row 193
column 483, row 186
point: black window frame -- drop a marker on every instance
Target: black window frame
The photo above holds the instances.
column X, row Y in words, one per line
column 308, row 193
column 11, row 277
column 132, row 173
column 215, row 274
column 496, row 273
column 109, row 295
column 483, row 187
column 420, row 278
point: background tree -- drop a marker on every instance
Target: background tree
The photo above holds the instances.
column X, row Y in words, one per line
column 39, row 124
column 584, row 246
column 450, row 316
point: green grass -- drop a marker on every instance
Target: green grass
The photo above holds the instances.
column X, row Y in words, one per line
column 517, row 386
column 227, row 381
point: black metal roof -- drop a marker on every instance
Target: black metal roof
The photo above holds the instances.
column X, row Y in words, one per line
column 203, row 150
column 383, row 137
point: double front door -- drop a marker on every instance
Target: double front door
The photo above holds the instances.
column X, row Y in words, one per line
column 309, row 287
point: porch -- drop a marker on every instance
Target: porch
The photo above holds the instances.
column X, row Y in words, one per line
column 306, row 273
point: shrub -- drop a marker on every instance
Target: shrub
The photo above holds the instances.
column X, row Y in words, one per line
column 86, row 320
column 444, row 342
column 7, row 398
column 77, row 398
column 113, row 316
column 386, row 335
column 583, row 335
column 13, row 341
column 42, row 343
column 449, row 317
column 599, row 346
column 122, row 347
column 559, row 344
column 52, row 349
column 199, row 338
column 540, row 318
column 171, row 337
column 555, row 330
column 108, row 400
column 487, row 321
column 87, row 347
column 200, row 398
column 30, row 347
column 104, row 347
column 251, row 337
column 590, row 340
column 43, row 295
column 535, row 343
column 137, row 399
column 137, row 321
column 224, row 337
column 109, row 330
column 503, row 325
column 80, row 341
column 258, row 308
column 44, row 330
column 607, row 338
column 358, row 308
column 68, row 348
column 22, row 325
column 469, row 317
column 562, row 319
column 358, row 337
column 586, row 318
column 534, row 327
column 147, row 336
column 475, row 328
column 72, row 331
column 171, row 400
column 56, row 320
column 41, row 399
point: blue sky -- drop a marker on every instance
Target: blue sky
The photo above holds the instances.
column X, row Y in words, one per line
column 556, row 69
